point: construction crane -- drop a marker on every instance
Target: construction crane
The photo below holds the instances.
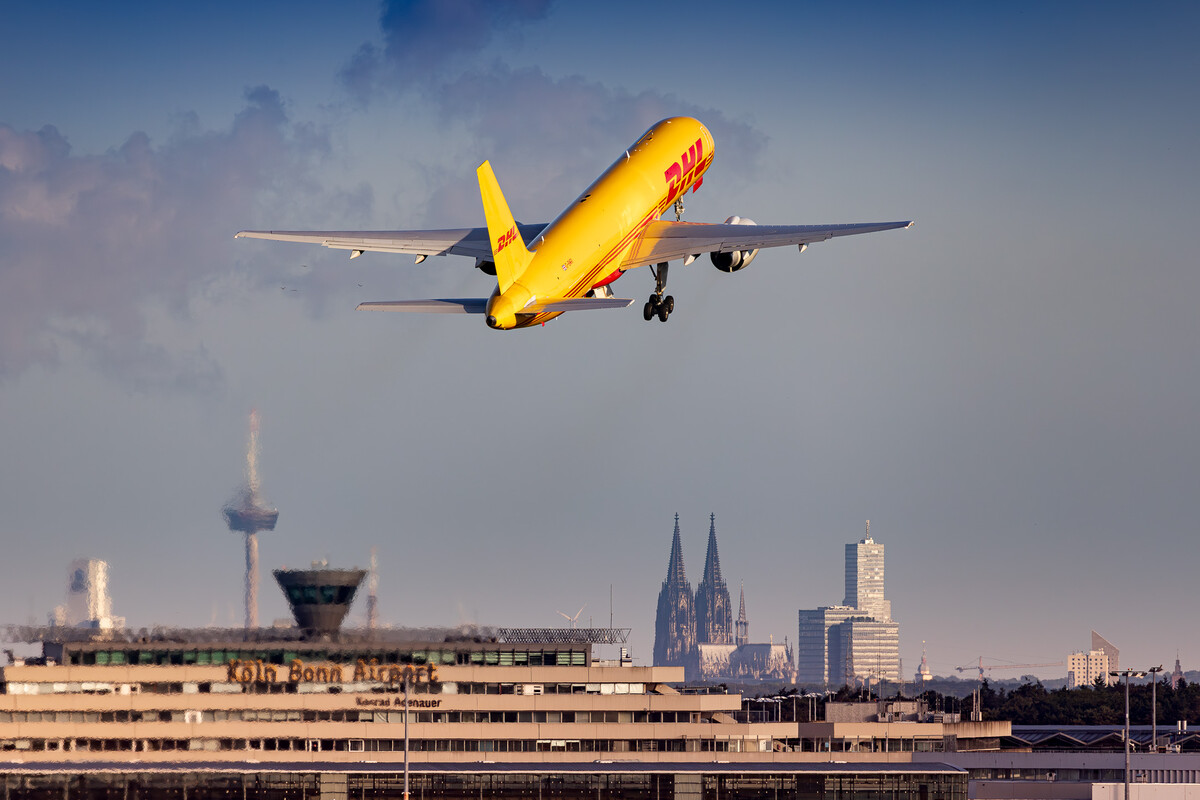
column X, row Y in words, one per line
column 981, row 666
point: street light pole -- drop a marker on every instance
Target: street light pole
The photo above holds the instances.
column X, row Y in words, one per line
column 408, row 686
column 1154, row 706
column 1127, row 673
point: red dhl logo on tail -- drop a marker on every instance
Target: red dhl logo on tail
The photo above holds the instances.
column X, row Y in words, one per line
column 679, row 172
column 506, row 239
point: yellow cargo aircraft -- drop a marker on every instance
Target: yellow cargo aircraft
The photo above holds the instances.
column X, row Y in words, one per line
column 543, row 270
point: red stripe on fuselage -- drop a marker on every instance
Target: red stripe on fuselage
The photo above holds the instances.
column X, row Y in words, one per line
column 585, row 283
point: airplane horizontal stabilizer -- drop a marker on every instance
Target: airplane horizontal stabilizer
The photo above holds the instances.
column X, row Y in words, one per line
column 574, row 304
column 450, row 305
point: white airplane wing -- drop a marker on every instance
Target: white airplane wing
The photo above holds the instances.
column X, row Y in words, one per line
column 661, row 241
column 667, row 241
column 471, row 242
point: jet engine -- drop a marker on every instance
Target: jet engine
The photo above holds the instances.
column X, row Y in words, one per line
column 738, row 259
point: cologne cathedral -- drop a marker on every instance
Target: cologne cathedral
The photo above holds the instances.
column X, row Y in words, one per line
column 698, row 633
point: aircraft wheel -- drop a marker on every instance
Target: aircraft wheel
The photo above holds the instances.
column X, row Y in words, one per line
column 648, row 311
column 663, row 312
column 669, row 303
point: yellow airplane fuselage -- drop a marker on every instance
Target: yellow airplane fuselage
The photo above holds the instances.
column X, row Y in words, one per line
column 582, row 248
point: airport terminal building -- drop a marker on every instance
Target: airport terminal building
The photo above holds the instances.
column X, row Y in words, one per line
column 317, row 710
column 330, row 719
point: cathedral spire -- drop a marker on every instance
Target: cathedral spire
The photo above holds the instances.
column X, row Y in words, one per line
column 714, row 618
column 743, row 625
column 712, row 560
column 675, row 621
column 675, row 573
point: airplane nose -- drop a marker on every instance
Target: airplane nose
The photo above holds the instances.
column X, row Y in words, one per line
column 491, row 321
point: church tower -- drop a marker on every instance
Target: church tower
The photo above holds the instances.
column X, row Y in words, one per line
column 743, row 624
column 714, row 617
column 675, row 622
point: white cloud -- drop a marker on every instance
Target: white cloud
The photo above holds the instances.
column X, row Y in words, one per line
column 87, row 241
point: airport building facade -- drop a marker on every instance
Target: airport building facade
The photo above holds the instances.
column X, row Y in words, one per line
column 333, row 720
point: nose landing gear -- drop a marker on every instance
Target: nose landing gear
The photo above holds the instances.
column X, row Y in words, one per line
column 657, row 305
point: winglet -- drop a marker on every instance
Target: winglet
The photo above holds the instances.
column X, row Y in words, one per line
column 508, row 249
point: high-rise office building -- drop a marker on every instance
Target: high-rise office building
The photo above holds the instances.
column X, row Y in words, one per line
column 864, row 578
column 867, row 650
column 1084, row 668
column 812, row 644
column 858, row 640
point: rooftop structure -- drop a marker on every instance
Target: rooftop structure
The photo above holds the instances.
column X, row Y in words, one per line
column 923, row 674
column 319, row 597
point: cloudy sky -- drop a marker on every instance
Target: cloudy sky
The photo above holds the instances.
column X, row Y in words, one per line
column 1008, row 391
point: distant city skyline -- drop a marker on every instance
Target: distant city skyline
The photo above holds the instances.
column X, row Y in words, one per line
column 1007, row 390
column 864, row 559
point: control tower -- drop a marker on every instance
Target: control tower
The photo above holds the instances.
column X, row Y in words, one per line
column 247, row 513
column 319, row 597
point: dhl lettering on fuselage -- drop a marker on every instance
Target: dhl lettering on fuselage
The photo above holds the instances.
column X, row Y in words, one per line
column 682, row 173
column 584, row 246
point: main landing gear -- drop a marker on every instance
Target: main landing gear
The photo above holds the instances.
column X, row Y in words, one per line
column 657, row 305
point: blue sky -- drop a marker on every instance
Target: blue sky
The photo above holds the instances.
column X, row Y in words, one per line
column 1008, row 390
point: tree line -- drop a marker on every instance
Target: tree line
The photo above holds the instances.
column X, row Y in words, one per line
column 1033, row 704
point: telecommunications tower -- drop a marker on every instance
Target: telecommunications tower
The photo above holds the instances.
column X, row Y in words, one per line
column 247, row 513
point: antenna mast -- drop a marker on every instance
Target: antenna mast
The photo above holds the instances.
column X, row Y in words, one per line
column 372, row 593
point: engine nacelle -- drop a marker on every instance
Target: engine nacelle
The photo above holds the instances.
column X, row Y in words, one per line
column 738, row 259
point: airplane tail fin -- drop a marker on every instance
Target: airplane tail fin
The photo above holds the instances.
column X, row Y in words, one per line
column 508, row 249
